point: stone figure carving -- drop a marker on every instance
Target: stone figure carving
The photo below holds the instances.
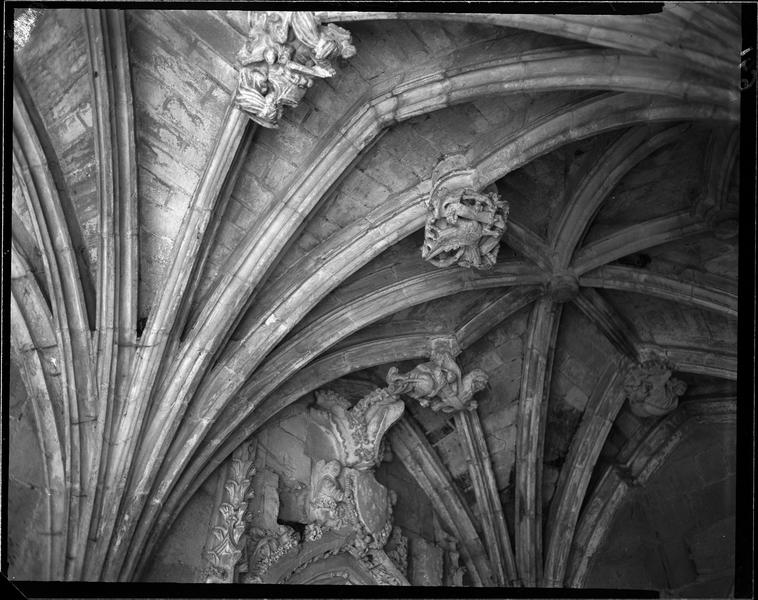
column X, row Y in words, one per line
column 284, row 52
column 438, row 384
column 651, row 390
column 352, row 435
column 265, row 547
column 225, row 550
column 328, row 509
column 463, row 226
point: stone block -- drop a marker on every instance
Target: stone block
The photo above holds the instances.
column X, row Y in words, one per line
column 715, row 501
column 718, row 587
column 286, row 454
column 280, row 174
column 712, row 547
column 576, row 398
column 295, row 426
column 712, row 465
column 263, row 506
column 449, row 448
column 293, row 503
column 318, row 122
column 680, row 569
column 425, row 562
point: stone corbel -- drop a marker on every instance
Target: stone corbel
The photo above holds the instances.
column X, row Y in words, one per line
column 463, row 225
column 284, row 52
column 650, row 388
column 439, row 384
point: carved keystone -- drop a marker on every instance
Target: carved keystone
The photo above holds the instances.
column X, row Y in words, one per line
column 463, row 226
column 284, row 52
column 563, row 287
column 651, row 390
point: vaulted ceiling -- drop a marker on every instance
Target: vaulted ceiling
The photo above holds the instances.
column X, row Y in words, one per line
column 180, row 275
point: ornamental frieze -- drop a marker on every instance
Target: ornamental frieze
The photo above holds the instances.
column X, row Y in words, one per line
column 226, row 543
column 463, row 225
column 284, row 52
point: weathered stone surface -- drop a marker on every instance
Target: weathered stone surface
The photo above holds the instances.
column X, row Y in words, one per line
column 662, row 518
column 225, row 543
column 342, row 180
column 651, row 390
column 425, row 563
column 55, row 69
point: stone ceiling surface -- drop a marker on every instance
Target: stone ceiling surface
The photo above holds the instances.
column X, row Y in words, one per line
column 185, row 278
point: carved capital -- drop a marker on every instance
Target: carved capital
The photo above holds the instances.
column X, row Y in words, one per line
column 284, row 52
column 439, row 384
column 463, row 226
column 651, row 390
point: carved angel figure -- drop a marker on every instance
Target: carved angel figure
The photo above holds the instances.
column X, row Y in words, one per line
column 438, row 384
column 651, row 389
column 284, row 51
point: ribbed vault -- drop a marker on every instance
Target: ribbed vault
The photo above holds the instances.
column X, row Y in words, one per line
column 181, row 276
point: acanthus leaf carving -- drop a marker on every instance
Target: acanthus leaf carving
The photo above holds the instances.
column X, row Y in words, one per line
column 651, row 390
column 346, row 510
column 265, row 547
column 463, row 225
column 351, row 501
column 284, row 52
column 439, row 384
column 223, row 555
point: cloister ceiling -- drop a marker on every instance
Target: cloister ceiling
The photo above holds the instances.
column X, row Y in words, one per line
column 180, row 274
